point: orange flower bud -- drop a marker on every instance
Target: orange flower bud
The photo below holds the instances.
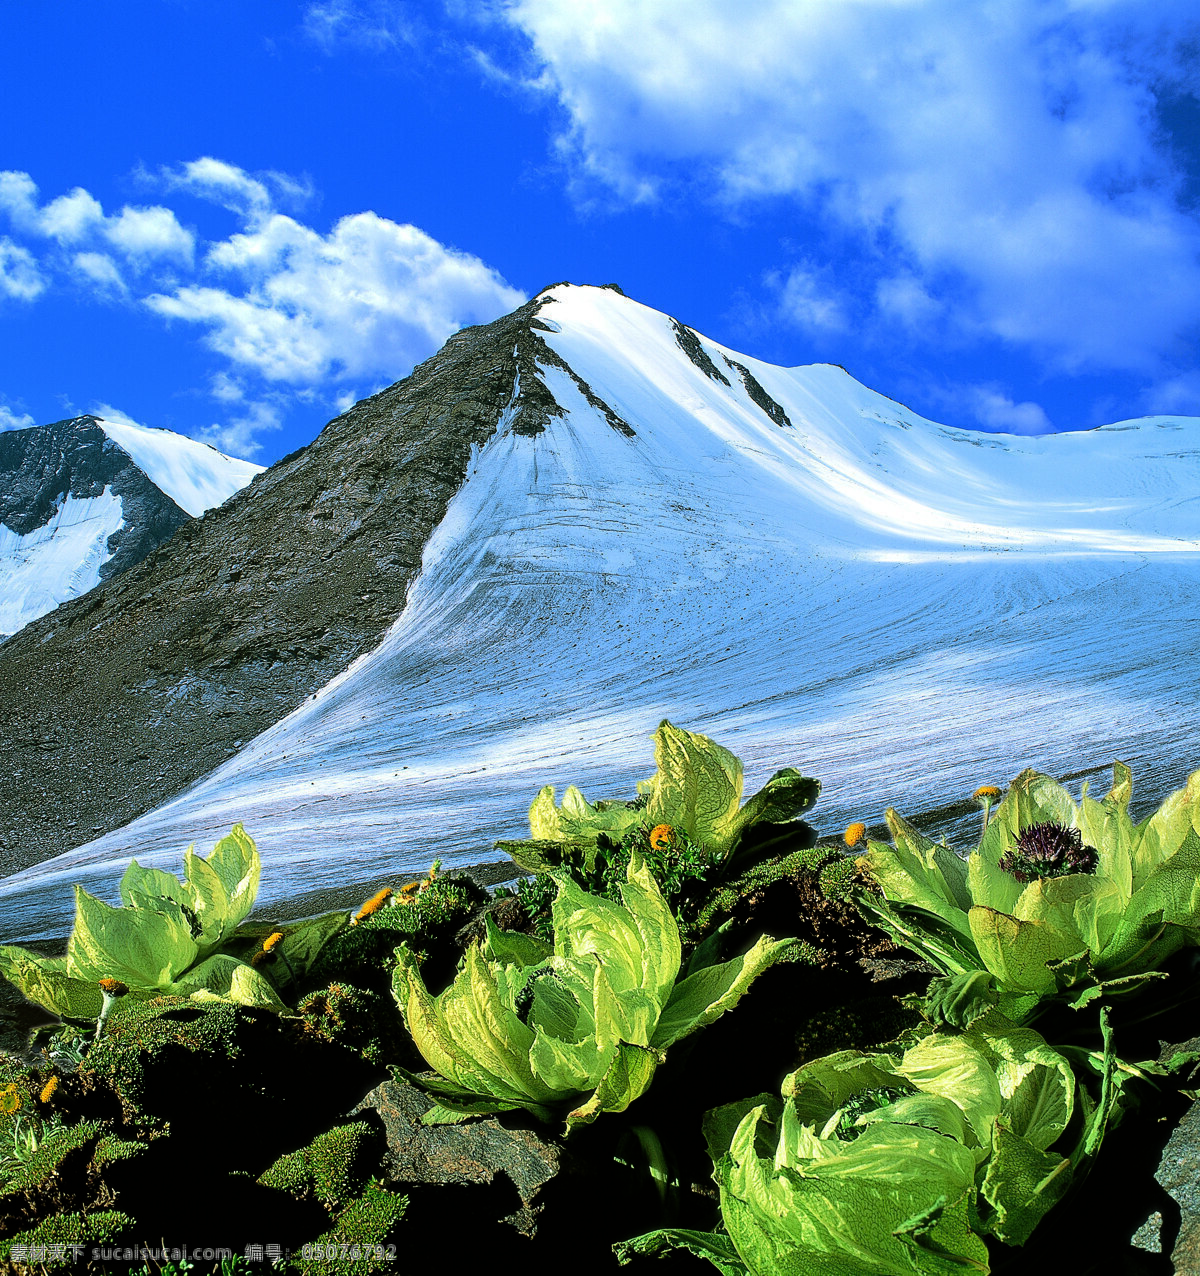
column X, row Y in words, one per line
column 661, row 837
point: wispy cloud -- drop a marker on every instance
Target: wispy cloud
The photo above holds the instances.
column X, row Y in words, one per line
column 995, row 411
column 809, row 298
column 1009, row 155
column 305, row 312
column 19, row 273
column 253, row 196
column 373, row 25
column 11, row 420
column 101, row 271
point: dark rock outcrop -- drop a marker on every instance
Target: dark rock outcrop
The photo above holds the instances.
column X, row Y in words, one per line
column 42, row 466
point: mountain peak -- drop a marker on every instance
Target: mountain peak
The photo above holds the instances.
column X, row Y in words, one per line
column 84, row 499
column 568, row 524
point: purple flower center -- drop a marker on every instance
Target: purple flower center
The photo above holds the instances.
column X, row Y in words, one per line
column 1048, row 849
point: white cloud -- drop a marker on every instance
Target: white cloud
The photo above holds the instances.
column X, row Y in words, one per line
column 372, row 297
column 144, row 236
column 100, row 270
column 18, row 198
column 281, row 301
column 69, row 218
column 995, row 411
column 240, row 434
column 1174, row 396
column 10, row 420
column 150, row 234
column 1008, row 154
column 19, row 273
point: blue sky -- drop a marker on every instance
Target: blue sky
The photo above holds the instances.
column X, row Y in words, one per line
column 235, row 219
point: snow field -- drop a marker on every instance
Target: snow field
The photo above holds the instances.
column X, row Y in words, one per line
column 902, row 609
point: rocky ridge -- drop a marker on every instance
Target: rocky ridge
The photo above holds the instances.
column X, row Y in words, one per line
column 120, row 699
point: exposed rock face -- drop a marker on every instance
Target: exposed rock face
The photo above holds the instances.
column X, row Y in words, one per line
column 118, row 700
column 40, row 467
column 1179, row 1174
column 477, row 1152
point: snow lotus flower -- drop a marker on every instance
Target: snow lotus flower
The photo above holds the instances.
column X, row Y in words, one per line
column 579, row 1028
column 696, row 791
column 874, row 1163
column 1058, row 898
column 169, row 937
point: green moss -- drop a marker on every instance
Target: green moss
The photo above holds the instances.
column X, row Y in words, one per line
column 360, row 1019
column 139, row 1039
column 360, row 1236
column 111, row 1149
column 150, row 1027
column 56, row 1146
column 333, row 1167
column 838, row 877
column 862, row 1026
column 732, row 896
column 804, row 895
column 363, row 954
column 92, row 1228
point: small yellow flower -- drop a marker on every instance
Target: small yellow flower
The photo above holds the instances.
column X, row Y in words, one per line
column 855, row 833
column 986, row 796
column 661, row 837
column 113, row 988
column 259, row 957
column 271, row 940
column 10, row 1098
column 48, row 1089
column 373, row 905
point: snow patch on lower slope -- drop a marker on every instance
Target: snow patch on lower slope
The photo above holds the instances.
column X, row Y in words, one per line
column 59, row 560
column 1035, row 603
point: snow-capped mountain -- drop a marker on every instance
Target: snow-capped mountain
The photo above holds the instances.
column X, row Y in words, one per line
column 582, row 519
column 83, row 500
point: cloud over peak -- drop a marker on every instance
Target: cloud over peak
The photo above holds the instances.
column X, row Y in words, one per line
column 1009, row 155
column 303, row 311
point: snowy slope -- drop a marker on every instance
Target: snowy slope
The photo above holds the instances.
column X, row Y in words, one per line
column 59, row 560
column 194, row 475
column 902, row 609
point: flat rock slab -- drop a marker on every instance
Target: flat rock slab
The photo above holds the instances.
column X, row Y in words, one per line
column 473, row 1153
